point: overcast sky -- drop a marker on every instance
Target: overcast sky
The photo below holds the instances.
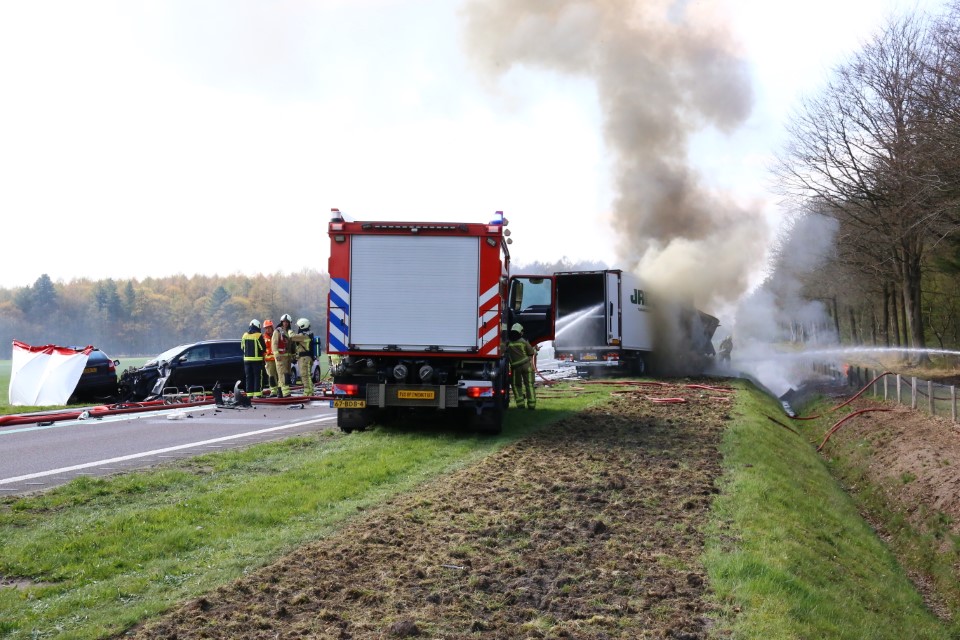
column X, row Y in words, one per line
column 154, row 138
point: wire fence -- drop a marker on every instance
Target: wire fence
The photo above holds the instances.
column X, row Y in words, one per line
column 926, row 395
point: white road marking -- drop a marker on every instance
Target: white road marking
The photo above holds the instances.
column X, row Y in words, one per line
column 144, row 454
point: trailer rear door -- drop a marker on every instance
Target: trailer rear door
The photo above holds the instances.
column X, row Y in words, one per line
column 414, row 292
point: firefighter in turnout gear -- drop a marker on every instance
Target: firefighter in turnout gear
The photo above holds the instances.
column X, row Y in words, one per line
column 252, row 345
column 304, row 346
column 521, row 355
column 269, row 360
column 283, row 353
column 726, row 348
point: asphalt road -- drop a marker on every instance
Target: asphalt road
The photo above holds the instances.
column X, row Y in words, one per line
column 37, row 457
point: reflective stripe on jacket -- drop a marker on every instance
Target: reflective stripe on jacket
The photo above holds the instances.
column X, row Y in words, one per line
column 520, row 353
column 252, row 346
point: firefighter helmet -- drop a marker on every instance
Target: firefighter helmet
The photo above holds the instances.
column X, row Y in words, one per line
column 255, row 323
column 303, row 324
column 268, row 323
column 517, row 327
column 286, row 317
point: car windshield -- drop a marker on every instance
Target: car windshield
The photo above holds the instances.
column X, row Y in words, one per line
column 167, row 355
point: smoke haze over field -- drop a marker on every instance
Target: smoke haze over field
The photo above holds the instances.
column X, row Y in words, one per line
column 778, row 313
column 779, row 304
column 663, row 71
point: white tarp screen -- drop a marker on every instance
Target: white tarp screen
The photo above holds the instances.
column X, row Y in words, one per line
column 44, row 375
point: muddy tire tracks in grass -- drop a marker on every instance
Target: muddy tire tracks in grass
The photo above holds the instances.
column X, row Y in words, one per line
column 592, row 528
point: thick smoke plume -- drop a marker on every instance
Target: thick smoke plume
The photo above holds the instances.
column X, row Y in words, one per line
column 663, row 71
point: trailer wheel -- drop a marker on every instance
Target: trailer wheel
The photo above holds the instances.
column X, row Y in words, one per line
column 639, row 367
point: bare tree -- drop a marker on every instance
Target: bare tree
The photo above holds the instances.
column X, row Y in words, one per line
column 865, row 150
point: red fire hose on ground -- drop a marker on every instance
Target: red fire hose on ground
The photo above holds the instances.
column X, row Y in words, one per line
column 840, row 406
column 102, row 411
column 546, row 381
column 833, row 429
column 638, row 384
column 836, row 426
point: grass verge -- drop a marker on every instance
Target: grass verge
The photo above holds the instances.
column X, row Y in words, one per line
column 788, row 554
column 922, row 537
column 95, row 556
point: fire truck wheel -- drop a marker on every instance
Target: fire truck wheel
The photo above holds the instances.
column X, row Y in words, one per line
column 503, row 385
column 489, row 422
column 350, row 420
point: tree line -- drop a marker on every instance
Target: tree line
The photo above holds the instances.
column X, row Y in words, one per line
column 144, row 317
column 876, row 152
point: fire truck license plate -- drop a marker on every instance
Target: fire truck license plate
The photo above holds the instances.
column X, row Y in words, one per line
column 589, row 356
column 416, row 394
column 349, row 404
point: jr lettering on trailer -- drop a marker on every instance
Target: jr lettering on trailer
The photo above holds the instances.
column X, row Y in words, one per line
column 637, row 298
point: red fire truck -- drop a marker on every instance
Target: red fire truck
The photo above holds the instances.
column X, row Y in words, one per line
column 416, row 318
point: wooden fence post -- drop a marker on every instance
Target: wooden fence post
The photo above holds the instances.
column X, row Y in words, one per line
column 953, row 402
column 913, row 392
column 933, row 404
column 885, row 388
column 899, row 394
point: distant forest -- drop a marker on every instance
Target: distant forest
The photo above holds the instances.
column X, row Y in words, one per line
column 144, row 317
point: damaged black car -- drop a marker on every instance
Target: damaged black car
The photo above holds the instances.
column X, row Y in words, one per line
column 98, row 382
column 186, row 368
